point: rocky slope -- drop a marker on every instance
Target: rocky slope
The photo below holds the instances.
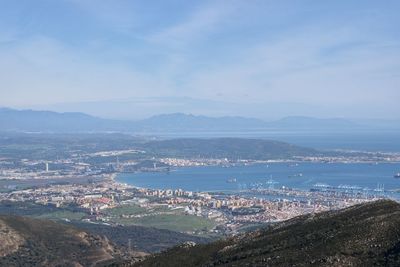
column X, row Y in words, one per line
column 32, row 242
column 362, row 235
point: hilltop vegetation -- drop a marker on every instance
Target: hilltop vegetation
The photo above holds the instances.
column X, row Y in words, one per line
column 362, row 235
column 231, row 148
column 51, row 146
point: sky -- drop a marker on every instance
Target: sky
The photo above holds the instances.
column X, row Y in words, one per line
column 256, row 58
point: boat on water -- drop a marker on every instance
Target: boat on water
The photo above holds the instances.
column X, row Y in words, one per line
column 397, row 175
column 296, row 175
column 232, row 180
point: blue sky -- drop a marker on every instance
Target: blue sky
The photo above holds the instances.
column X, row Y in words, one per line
column 252, row 58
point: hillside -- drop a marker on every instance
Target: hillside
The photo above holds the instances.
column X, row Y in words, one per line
column 146, row 239
column 362, row 235
column 33, row 242
column 141, row 238
column 231, row 148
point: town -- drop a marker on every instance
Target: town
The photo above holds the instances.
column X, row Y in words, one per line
column 227, row 213
column 79, row 182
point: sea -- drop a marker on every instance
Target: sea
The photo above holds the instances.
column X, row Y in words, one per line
column 302, row 176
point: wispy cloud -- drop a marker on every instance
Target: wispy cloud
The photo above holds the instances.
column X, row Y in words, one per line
column 297, row 68
column 248, row 52
column 119, row 16
column 46, row 71
column 203, row 21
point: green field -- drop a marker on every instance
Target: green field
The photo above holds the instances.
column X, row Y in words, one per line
column 126, row 209
column 160, row 217
column 180, row 223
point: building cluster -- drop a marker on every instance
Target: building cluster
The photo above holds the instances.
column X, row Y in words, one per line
column 179, row 162
column 355, row 157
column 90, row 197
column 229, row 211
column 238, row 210
column 55, row 169
column 166, row 193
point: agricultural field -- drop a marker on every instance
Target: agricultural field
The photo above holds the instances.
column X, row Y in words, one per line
column 160, row 217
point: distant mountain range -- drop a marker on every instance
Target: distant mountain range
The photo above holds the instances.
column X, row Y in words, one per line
column 180, row 121
column 48, row 121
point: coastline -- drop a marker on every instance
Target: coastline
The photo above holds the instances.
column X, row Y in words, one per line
column 213, row 179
